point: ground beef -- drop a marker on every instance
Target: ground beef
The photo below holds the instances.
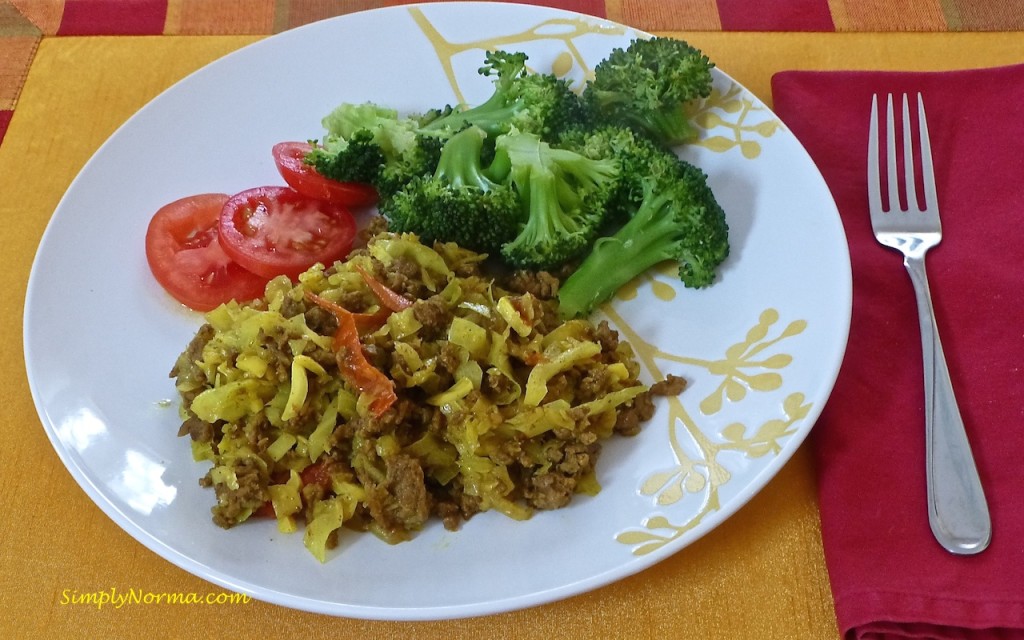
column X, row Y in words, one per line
column 291, row 307
column 278, row 357
column 672, row 385
column 403, row 277
column 594, row 384
column 550, row 490
column 320, row 320
column 376, row 355
column 185, row 365
column 563, row 385
column 607, row 337
column 399, row 502
column 627, row 423
column 405, row 482
column 376, row 224
column 449, row 513
column 233, row 505
column 197, row 430
column 256, row 430
column 578, row 458
column 435, row 316
column 539, row 283
column 497, row 385
column 370, row 427
column 450, row 357
column 642, row 408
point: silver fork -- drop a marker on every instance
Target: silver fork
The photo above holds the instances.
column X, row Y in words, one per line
column 957, row 510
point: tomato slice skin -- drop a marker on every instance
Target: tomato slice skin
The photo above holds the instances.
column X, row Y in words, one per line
column 274, row 231
column 186, row 258
column 289, row 158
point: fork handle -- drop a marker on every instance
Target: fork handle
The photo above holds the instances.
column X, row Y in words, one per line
column 957, row 511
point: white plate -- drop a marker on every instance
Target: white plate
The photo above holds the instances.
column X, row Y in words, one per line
column 98, row 375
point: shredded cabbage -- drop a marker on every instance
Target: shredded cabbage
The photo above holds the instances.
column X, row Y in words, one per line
column 499, row 405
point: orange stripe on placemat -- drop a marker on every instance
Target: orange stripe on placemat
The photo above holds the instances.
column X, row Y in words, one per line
column 888, row 15
column 223, row 17
column 42, row 14
column 991, row 15
column 113, row 17
column 589, row 7
column 840, row 16
column 777, row 15
column 666, row 15
column 198, row 17
column 294, row 13
column 15, row 57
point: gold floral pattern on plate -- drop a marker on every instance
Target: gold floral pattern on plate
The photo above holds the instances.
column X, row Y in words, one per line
column 739, row 116
column 752, row 364
column 563, row 31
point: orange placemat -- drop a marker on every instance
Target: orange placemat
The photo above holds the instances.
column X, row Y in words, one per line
column 23, row 23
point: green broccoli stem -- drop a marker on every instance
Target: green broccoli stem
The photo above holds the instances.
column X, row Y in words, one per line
column 459, row 164
column 547, row 217
column 492, row 116
column 651, row 236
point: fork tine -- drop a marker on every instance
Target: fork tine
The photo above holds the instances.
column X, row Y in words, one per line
column 890, row 156
column 874, row 190
column 931, row 199
column 913, row 204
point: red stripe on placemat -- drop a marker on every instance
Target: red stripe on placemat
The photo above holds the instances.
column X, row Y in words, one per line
column 113, row 17
column 774, row 15
column 5, row 120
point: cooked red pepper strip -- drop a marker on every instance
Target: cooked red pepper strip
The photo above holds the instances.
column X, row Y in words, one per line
column 388, row 297
column 354, row 366
column 364, row 321
column 265, row 510
column 367, row 322
column 317, row 473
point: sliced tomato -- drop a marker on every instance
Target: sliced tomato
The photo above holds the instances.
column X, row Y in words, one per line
column 304, row 178
column 188, row 261
column 274, row 231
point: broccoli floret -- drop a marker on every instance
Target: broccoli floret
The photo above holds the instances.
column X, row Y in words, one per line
column 419, row 160
column 365, row 139
column 358, row 159
column 531, row 102
column 395, row 134
column 458, row 202
column 646, row 87
column 679, row 220
column 563, row 195
column 639, row 160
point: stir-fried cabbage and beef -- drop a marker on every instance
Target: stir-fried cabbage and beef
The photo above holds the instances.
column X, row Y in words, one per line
column 400, row 385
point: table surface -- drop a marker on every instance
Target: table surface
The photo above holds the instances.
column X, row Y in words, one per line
column 761, row 574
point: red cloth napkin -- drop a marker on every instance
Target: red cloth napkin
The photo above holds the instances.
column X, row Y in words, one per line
column 890, row 578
